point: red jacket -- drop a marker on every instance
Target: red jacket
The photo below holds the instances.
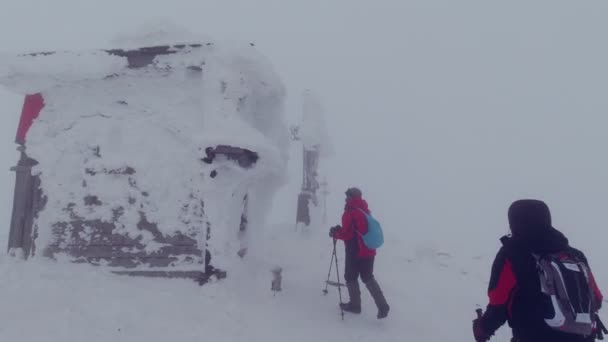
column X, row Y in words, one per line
column 353, row 219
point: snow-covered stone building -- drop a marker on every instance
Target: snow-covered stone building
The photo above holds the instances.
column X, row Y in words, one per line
column 144, row 158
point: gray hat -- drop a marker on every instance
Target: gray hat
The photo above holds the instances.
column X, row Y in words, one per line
column 353, row 193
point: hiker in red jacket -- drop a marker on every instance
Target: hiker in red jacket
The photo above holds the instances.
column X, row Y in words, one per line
column 359, row 260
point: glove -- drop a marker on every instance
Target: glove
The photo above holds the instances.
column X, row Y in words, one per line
column 333, row 230
column 478, row 331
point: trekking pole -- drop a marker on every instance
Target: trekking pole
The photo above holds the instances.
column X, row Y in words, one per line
column 338, row 277
column 333, row 255
column 601, row 328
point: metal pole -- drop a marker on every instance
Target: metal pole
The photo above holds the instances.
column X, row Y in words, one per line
column 338, row 277
column 333, row 255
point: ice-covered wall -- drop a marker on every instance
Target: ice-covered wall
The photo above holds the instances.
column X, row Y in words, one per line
column 134, row 137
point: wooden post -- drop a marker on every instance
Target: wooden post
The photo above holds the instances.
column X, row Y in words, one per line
column 25, row 201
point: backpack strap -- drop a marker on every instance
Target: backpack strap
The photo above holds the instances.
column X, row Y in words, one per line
column 355, row 227
column 354, row 222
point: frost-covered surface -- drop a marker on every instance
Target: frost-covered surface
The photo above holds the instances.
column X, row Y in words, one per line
column 30, row 74
column 134, row 138
column 155, row 33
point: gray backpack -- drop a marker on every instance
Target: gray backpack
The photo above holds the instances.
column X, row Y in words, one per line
column 567, row 283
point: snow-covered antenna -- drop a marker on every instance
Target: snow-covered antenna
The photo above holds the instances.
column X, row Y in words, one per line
column 325, row 192
column 315, row 143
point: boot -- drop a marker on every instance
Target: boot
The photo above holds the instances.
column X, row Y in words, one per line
column 376, row 292
column 354, row 304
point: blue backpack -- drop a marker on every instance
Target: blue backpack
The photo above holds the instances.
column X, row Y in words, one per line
column 374, row 238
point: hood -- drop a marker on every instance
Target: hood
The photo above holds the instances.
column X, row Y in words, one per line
column 528, row 218
column 357, row 203
column 550, row 241
column 531, row 227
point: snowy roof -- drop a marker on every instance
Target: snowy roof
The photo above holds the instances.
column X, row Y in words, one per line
column 33, row 72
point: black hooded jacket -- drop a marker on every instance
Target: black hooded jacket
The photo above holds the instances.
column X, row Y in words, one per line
column 514, row 289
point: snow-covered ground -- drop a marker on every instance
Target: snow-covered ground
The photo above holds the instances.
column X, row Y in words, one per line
column 80, row 303
column 443, row 112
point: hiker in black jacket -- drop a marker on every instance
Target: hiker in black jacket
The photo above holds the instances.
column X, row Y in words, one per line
column 515, row 291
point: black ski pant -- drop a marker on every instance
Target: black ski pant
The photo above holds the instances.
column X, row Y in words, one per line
column 358, row 267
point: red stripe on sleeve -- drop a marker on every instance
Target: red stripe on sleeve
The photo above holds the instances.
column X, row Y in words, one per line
column 596, row 290
column 506, row 283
